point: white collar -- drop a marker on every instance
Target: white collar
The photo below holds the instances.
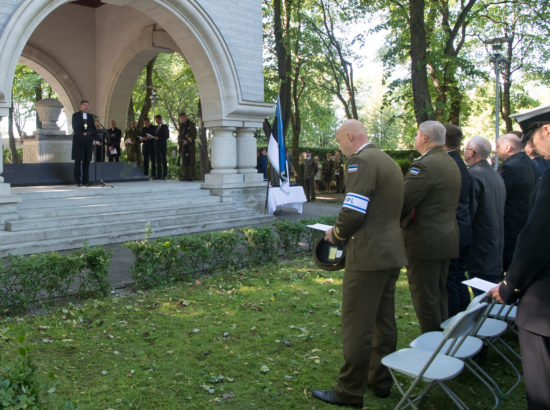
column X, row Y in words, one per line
column 363, row 146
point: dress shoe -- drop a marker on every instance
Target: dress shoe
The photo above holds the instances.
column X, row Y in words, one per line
column 331, row 397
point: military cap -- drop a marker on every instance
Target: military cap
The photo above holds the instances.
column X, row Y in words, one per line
column 328, row 256
column 531, row 120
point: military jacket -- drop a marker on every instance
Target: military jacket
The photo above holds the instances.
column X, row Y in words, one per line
column 369, row 218
column 432, row 190
column 132, row 135
column 338, row 167
column 528, row 277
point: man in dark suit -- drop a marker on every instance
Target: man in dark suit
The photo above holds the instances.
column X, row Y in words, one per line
column 369, row 223
column 457, row 292
column 517, row 172
column 161, row 137
column 487, row 199
column 432, row 191
column 528, row 277
column 83, row 132
column 114, row 136
column 147, row 136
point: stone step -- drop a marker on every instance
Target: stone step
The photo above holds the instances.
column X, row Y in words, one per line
column 107, row 198
column 32, row 245
column 48, row 192
column 90, row 228
column 64, row 210
column 95, row 216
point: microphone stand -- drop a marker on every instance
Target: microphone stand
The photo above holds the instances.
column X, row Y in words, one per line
column 102, row 130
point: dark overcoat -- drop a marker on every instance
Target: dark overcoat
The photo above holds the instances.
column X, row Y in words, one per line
column 82, row 144
column 520, row 181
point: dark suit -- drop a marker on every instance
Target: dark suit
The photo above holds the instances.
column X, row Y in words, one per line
column 369, row 223
column 114, row 136
column 519, row 179
column 457, row 292
column 148, row 149
column 432, row 191
column 161, row 131
column 186, row 143
column 528, row 278
column 487, row 212
column 539, row 165
column 82, row 145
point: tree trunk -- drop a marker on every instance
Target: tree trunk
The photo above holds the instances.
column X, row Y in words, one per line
column 13, row 149
column 149, row 91
column 284, row 65
column 505, row 105
column 423, row 109
column 131, row 114
column 38, row 97
column 203, row 145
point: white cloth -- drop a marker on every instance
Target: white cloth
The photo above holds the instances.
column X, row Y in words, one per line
column 277, row 198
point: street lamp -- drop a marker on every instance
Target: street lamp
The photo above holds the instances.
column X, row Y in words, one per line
column 154, row 99
column 497, row 59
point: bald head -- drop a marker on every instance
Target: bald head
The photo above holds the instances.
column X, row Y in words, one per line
column 508, row 145
column 351, row 136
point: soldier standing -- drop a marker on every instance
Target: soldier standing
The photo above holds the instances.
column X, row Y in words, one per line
column 369, row 223
column 132, row 142
column 310, row 169
column 186, row 145
column 147, row 133
column 432, row 190
column 338, row 172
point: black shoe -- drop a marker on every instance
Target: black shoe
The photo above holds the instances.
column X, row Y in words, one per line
column 78, row 184
column 331, row 397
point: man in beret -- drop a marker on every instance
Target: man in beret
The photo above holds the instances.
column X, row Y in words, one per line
column 369, row 223
column 528, row 277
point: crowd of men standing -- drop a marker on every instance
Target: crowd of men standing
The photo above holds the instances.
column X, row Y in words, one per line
column 147, row 147
column 458, row 218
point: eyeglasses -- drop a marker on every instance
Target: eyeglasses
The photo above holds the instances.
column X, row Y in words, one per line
column 468, row 149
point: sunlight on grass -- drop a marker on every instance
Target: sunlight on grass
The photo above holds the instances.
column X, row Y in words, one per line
column 260, row 338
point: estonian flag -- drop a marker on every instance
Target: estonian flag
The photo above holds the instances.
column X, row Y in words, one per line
column 276, row 151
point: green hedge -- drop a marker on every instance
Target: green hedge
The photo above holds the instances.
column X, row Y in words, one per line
column 163, row 261
column 27, row 279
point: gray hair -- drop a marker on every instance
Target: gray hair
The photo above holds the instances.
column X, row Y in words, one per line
column 513, row 140
column 434, row 130
column 481, row 146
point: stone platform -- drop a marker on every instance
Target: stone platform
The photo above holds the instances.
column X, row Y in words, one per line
column 53, row 218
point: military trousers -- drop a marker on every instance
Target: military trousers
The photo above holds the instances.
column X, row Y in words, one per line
column 369, row 331
column 535, row 358
column 427, row 284
column 309, row 188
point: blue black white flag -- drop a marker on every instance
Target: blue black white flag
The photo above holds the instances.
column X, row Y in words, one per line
column 276, row 151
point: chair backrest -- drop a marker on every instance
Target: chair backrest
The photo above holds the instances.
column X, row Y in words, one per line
column 477, row 300
column 463, row 323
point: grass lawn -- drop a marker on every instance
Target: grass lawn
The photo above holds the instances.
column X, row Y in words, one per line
column 257, row 338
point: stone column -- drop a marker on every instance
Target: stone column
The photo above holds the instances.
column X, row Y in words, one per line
column 223, row 158
column 8, row 201
column 247, row 154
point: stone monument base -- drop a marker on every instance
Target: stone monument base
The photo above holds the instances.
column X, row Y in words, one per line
column 47, row 146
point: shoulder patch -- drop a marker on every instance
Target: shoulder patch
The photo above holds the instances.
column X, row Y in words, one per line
column 352, row 168
column 414, row 171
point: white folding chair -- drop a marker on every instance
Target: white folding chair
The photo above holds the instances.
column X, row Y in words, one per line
column 507, row 313
column 465, row 349
column 490, row 331
column 434, row 367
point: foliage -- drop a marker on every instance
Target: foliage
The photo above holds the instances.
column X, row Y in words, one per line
column 19, row 387
column 261, row 245
column 252, row 338
column 26, row 279
column 7, row 155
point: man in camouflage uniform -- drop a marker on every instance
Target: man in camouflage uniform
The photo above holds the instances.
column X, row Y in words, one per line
column 132, row 143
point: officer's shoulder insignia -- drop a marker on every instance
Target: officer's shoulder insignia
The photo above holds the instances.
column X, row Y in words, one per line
column 352, row 168
column 414, row 171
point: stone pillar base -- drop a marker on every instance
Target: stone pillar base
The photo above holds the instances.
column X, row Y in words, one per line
column 8, row 205
column 57, row 149
column 247, row 190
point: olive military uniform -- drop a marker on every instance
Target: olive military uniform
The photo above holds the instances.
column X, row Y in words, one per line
column 310, row 169
column 186, row 145
column 432, row 190
column 339, row 174
column 369, row 222
column 132, row 143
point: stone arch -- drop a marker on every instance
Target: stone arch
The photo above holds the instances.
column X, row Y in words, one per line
column 185, row 21
column 129, row 65
column 53, row 73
